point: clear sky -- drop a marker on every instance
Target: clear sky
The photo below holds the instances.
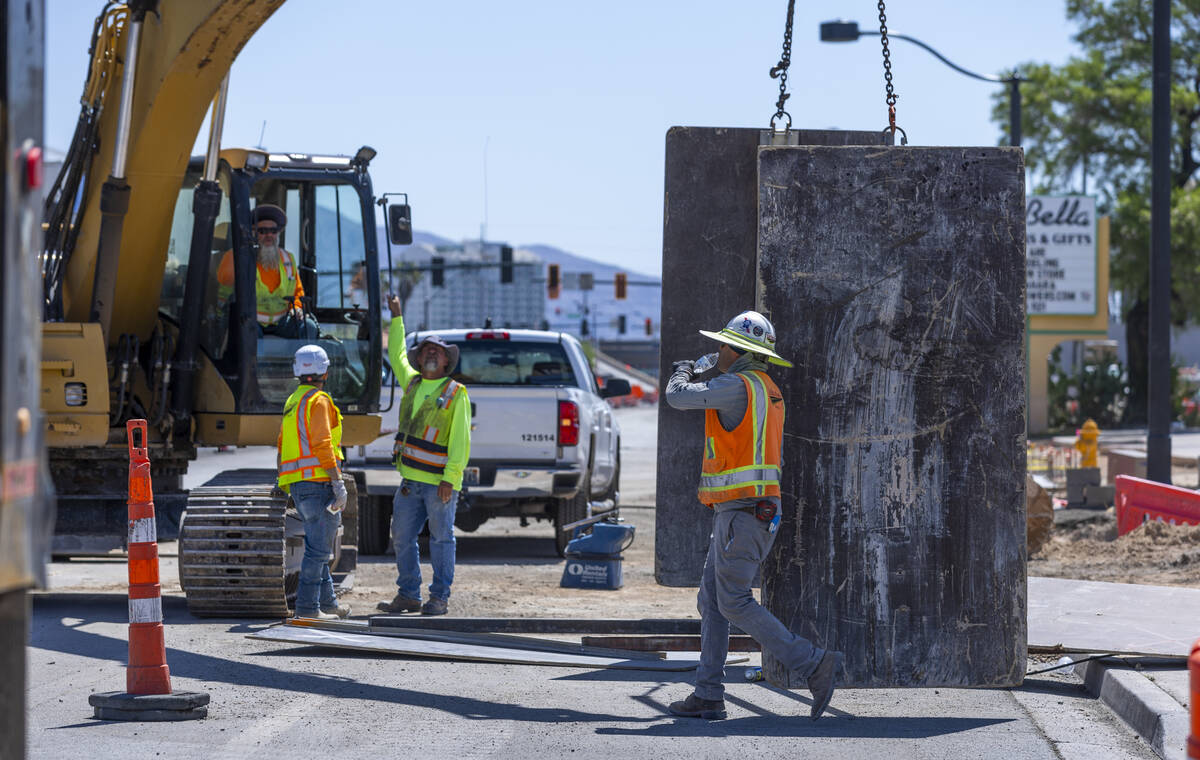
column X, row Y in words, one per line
column 567, row 103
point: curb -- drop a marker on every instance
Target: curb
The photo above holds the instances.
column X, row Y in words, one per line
column 1155, row 715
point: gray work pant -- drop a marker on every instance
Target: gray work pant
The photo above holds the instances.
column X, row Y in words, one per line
column 739, row 544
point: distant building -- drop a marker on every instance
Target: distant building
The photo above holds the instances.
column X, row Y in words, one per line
column 471, row 290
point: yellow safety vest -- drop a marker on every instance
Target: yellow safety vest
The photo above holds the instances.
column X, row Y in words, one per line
column 273, row 304
column 424, row 437
column 744, row 462
column 296, row 458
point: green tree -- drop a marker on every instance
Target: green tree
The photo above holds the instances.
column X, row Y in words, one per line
column 1087, row 129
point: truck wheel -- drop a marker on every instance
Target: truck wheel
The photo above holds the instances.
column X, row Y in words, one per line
column 570, row 510
column 375, row 525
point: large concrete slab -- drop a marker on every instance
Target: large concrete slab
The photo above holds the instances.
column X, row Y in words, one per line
column 895, row 279
column 710, row 228
column 1121, row 618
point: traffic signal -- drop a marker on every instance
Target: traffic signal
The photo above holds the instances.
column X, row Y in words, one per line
column 506, row 264
column 621, row 284
column 621, row 324
column 437, row 265
column 583, row 327
column 649, row 326
column 552, row 282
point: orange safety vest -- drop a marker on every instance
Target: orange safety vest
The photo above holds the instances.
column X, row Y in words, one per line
column 297, row 461
column 274, row 304
column 744, row 462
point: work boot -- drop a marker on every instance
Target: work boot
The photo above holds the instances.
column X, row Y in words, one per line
column 400, row 604
column 341, row 610
column 823, row 679
column 694, row 707
column 315, row 615
column 435, row 606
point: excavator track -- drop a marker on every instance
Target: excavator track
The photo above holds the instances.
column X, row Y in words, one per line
column 233, row 547
column 240, row 546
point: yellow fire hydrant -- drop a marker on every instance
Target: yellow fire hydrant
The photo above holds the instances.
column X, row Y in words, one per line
column 1088, row 444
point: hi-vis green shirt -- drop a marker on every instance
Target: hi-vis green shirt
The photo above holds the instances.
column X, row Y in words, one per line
column 458, row 444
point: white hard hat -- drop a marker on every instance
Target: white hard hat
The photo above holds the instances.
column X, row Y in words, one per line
column 750, row 331
column 310, row 360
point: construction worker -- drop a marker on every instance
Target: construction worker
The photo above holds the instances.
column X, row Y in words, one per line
column 739, row 480
column 277, row 285
column 309, row 447
column 432, row 446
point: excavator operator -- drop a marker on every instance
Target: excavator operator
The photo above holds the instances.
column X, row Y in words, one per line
column 277, row 285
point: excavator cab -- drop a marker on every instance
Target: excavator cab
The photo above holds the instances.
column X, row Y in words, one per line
column 330, row 239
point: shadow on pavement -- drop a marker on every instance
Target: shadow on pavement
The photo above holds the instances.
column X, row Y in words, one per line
column 61, row 637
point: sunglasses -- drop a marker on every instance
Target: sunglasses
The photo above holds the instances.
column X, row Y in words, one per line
column 267, row 230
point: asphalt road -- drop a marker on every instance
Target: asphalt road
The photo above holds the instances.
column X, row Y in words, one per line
column 276, row 700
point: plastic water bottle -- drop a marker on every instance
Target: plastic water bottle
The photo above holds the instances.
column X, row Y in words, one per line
column 705, row 363
column 753, row 674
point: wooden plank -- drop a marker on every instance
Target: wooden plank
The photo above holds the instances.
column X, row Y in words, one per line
column 476, row 653
column 895, row 278
column 485, row 639
column 709, row 237
column 646, row 626
column 668, row 643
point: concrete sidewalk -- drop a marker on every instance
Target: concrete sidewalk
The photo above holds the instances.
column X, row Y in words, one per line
column 1149, row 693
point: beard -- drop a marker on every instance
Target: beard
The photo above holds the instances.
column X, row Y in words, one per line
column 432, row 365
column 268, row 255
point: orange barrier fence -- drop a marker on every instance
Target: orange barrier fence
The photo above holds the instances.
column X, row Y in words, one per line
column 1139, row 501
column 147, row 672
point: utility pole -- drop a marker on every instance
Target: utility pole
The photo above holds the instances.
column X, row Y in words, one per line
column 1158, row 391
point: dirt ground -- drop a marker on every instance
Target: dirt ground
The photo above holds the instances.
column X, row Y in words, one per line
column 505, row 570
column 1155, row 554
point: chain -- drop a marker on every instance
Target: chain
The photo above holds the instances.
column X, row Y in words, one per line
column 780, row 70
column 887, row 74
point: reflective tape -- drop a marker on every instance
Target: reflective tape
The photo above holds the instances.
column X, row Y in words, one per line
column 732, row 478
column 142, row 531
column 145, row 610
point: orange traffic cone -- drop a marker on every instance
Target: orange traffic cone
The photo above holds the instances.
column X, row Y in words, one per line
column 148, row 694
column 147, row 672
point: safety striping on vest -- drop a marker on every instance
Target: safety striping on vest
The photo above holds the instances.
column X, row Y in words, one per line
column 145, row 610
column 717, row 481
column 142, row 531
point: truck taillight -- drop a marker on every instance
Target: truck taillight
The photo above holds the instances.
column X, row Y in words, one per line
column 568, row 423
column 488, row 335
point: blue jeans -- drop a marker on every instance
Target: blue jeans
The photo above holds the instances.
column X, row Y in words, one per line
column 320, row 530
column 739, row 544
column 414, row 504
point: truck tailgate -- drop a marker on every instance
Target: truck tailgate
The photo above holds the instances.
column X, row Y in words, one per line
column 514, row 423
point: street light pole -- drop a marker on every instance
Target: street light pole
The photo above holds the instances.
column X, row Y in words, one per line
column 848, row 31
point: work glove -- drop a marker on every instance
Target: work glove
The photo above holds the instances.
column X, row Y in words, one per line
column 686, row 365
column 339, row 496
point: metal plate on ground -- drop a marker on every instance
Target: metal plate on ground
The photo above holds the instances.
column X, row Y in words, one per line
column 895, row 278
column 1118, row 618
column 477, row 653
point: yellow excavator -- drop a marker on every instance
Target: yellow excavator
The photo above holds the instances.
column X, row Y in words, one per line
column 136, row 324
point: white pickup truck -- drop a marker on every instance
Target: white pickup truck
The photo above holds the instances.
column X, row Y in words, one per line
column 544, row 443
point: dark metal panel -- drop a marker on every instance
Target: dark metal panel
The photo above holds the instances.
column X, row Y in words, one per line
column 710, row 220
column 895, row 279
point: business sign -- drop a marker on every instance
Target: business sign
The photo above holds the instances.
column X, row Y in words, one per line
column 1060, row 255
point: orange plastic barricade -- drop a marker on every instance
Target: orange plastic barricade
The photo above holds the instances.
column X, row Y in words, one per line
column 1139, row 501
column 147, row 672
column 1193, row 744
